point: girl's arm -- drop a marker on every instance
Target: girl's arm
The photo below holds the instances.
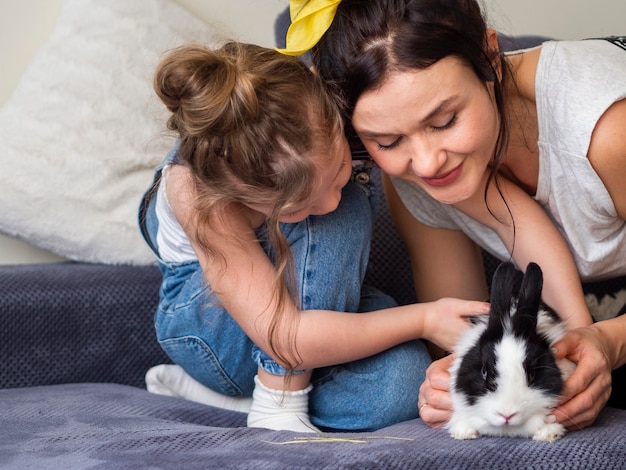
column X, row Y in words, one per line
column 245, row 286
column 536, row 239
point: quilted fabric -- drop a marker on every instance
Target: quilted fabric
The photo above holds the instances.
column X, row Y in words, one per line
column 67, row 322
column 108, row 426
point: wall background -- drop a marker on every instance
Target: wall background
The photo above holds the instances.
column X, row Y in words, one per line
column 26, row 24
column 563, row 19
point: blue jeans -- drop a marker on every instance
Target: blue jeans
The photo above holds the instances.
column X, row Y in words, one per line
column 330, row 255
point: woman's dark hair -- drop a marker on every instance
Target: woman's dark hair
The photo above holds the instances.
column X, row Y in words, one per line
column 368, row 40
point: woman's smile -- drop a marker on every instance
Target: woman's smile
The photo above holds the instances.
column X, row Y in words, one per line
column 446, row 178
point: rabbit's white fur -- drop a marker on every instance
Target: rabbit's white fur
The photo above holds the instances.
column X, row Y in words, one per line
column 513, row 409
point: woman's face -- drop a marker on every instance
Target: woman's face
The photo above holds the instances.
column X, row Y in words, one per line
column 436, row 127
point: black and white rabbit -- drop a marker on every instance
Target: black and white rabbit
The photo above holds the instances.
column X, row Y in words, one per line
column 504, row 378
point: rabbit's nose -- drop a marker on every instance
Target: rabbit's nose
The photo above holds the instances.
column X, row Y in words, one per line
column 508, row 417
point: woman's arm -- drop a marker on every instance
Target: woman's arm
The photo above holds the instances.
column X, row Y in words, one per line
column 245, row 286
column 607, row 153
column 445, row 263
column 601, row 347
column 533, row 237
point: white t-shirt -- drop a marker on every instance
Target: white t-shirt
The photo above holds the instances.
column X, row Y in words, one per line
column 174, row 246
column 576, row 82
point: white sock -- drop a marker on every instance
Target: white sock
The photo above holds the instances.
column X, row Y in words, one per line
column 171, row 380
column 279, row 409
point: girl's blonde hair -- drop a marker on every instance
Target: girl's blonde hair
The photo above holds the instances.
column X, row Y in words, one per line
column 252, row 124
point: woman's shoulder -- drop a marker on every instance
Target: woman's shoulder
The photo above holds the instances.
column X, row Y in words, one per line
column 576, row 82
column 523, row 66
column 584, row 58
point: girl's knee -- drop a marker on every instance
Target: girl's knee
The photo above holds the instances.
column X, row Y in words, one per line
column 372, row 393
column 410, row 361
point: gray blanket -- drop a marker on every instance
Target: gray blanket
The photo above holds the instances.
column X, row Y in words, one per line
column 110, row 426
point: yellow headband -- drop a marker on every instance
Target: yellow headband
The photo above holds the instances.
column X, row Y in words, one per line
column 309, row 21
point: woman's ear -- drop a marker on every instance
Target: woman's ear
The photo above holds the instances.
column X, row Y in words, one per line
column 492, row 49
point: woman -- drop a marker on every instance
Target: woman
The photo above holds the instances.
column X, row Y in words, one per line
column 463, row 131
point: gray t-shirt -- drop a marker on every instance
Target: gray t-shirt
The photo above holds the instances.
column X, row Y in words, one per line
column 576, row 82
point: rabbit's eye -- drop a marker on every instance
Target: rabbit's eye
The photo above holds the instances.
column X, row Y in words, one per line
column 483, row 372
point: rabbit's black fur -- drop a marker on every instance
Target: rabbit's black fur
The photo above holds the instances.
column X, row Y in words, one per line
column 505, row 379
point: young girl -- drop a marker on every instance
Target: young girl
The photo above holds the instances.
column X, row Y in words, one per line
column 461, row 129
column 263, row 241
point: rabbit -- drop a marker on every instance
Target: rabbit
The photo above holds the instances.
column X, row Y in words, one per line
column 504, row 377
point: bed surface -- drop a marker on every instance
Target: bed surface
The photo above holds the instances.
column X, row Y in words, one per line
column 84, row 426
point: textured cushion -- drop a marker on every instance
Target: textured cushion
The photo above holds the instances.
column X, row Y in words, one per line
column 119, row 427
column 66, row 322
column 81, row 134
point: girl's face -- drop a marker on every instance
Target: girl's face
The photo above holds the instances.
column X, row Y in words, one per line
column 333, row 174
column 326, row 195
column 436, row 127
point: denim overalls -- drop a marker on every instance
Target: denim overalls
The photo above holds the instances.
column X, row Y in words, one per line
column 330, row 256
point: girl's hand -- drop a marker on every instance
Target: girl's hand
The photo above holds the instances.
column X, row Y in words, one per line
column 446, row 321
column 434, row 402
column 587, row 390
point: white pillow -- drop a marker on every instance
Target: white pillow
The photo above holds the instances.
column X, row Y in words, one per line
column 83, row 130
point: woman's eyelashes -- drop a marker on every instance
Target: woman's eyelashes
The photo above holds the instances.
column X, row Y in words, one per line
column 447, row 124
column 389, row 146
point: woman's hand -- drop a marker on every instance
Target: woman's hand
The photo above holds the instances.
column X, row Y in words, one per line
column 444, row 324
column 587, row 390
column 434, row 401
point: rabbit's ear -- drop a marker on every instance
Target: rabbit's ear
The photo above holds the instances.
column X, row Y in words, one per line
column 504, row 287
column 529, row 299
